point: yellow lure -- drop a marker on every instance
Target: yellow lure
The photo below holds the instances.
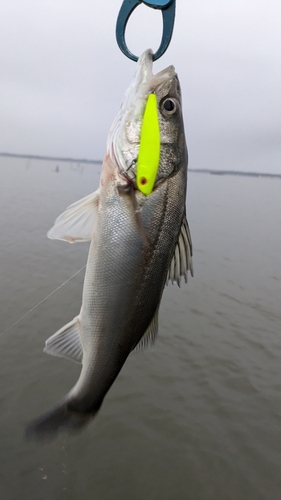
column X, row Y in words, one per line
column 149, row 152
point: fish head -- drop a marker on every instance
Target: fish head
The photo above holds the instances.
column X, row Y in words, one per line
column 125, row 134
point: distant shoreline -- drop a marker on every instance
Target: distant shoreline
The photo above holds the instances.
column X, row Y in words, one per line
column 50, row 158
column 197, row 171
column 234, row 172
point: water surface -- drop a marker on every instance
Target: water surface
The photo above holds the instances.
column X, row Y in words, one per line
column 196, row 417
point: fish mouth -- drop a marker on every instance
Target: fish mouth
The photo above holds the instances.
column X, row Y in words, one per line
column 124, row 135
column 144, row 82
column 144, row 71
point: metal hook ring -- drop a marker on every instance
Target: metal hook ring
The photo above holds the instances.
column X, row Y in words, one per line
column 168, row 8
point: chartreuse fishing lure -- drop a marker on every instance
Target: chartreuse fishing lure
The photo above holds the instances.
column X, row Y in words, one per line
column 149, row 152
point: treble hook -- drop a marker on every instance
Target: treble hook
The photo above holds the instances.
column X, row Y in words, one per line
column 168, row 8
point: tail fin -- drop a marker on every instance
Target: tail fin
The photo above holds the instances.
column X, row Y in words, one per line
column 61, row 417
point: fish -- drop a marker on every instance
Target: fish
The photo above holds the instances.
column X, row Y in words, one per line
column 138, row 244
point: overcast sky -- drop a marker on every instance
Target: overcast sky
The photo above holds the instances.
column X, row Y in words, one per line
column 62, row 77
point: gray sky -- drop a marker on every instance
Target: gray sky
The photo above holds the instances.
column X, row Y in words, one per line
column 62, row 77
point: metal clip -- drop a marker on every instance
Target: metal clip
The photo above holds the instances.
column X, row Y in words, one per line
column 168, row 8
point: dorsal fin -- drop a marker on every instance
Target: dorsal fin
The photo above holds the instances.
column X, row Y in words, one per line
column 150, row 334
column 182, row 259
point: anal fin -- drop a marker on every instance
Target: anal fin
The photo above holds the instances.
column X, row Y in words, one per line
column 66, row 342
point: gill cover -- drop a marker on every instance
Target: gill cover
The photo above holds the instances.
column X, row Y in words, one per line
column 149, row 151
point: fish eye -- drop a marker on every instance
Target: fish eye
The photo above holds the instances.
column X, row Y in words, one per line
column 169, row 106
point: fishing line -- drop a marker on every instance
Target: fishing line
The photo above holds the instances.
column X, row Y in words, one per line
column 43, row 300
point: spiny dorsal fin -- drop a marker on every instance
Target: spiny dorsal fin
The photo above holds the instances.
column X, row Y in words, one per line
column 182, row 259
column 78, row 221
column 66, row 342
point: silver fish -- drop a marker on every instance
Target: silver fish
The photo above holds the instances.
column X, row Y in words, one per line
column 138, row 243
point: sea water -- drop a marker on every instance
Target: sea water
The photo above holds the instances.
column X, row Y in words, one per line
column 197, row 416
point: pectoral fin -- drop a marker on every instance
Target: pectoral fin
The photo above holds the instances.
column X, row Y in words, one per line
column 66, row 343
column 78, row 222
column 182, row 259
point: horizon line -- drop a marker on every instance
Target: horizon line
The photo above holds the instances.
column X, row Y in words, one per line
column 193, row 170
column 52, row 158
